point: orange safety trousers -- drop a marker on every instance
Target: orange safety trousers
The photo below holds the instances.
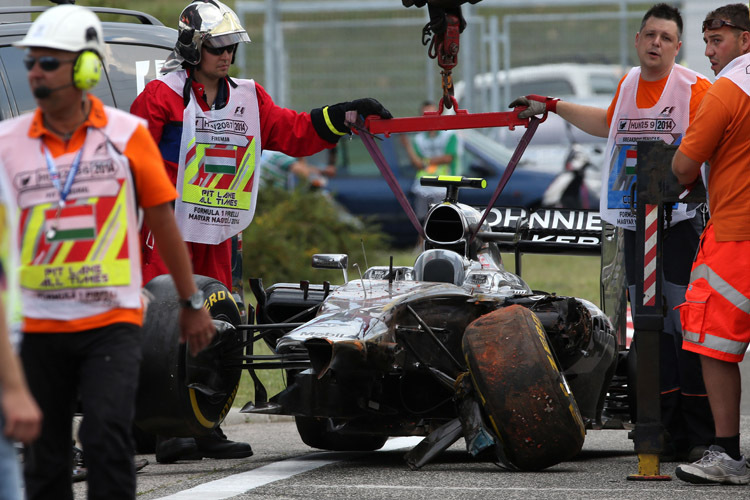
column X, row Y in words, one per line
column 715, row 316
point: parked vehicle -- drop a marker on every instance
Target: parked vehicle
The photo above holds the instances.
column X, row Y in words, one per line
column 134, row 52
column 559, row 80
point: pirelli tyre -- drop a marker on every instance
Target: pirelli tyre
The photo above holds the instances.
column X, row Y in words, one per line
column 316, row 432
column 178, row 394
column 526, row 397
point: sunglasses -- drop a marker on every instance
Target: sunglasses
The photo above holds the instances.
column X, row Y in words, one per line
column 47, row 63
column 715, row 24
column 217, row 51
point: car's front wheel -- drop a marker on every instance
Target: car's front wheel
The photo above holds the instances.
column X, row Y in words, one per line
column 521, row 388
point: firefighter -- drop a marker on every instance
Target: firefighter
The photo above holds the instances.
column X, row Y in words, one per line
column 211, row 130
column 655, row 100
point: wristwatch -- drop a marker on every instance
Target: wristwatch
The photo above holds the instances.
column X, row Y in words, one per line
column 194, row 302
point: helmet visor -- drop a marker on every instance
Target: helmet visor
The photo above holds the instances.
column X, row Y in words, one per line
column 226, row 39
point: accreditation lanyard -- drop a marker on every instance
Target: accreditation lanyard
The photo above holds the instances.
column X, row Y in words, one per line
column 64, row 189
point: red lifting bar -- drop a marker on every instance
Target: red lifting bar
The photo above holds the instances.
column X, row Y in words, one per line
column 377, row 125
column 435, row 121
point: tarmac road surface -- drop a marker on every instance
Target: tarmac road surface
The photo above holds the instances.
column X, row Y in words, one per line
column 285, row 468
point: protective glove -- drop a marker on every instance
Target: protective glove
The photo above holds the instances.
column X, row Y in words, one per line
column 536, row 105
column 332, row 122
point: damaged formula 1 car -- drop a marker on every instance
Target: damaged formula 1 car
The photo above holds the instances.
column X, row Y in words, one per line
column 453, row 346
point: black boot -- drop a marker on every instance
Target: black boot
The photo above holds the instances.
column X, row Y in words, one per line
column 216, row 445
column 170, row 450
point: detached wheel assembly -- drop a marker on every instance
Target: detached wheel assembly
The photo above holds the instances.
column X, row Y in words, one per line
column 522, row 391
column 178, row 394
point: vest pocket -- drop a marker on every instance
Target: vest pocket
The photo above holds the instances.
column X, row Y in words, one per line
column 693, row 310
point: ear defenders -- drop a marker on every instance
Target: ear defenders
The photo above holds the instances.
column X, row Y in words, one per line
column 87, row 70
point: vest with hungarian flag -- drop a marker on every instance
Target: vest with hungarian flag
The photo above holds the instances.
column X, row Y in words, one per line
column 667, row 121
column 82, row 258
column 219, row 164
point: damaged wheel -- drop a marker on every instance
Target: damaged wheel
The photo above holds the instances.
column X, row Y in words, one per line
column 521, row 388
column 315, row 432
column 178, row 394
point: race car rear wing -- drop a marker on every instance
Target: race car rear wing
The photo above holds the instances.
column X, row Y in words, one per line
column 546, row 231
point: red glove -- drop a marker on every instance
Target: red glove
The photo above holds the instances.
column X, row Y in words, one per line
column 535, row 105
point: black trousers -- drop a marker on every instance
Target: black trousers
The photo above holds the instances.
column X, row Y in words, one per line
column 685, row 412
column 101, row 368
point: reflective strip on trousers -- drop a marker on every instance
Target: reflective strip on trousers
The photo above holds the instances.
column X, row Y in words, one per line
column 715, row 343
column 721, row 287
column 731, row 295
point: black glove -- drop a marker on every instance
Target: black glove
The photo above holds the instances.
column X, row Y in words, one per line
column 368, row 106
column 330, row 121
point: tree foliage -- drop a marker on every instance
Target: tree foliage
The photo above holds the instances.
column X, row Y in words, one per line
column 289, row 227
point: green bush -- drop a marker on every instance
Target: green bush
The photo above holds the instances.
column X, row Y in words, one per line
column 289, row 227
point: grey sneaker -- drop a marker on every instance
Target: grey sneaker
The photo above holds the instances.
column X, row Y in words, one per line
column 715, row 467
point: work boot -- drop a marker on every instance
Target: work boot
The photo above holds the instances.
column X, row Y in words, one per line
column 170, row 450
column 216, row 445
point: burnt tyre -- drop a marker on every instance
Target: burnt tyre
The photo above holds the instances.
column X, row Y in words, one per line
column 178, row 394
column 316, row 433
column 521, row 388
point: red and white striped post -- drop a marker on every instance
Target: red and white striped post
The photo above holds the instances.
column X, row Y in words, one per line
column 649, row 256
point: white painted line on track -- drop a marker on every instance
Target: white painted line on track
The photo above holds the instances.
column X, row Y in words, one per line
column 240, row 483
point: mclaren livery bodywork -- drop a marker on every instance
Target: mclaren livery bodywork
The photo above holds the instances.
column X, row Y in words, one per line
column 453, row 346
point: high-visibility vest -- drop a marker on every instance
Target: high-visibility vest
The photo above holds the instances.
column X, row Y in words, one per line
column 667, row 120
column 219, row 165
column 82, row 259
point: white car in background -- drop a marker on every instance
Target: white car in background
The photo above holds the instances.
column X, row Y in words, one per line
column 563, row 80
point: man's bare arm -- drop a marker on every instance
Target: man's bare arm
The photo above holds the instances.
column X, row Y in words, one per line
column 23, row 419
column 685, row 168
column 587, row 118
column 590, row 119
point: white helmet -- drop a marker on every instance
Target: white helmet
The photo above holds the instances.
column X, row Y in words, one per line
column 66, row 27
column 210, row 22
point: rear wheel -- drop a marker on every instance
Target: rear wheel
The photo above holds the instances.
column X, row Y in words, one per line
column 178, row 394
column 315, row 433
column 521, row 388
